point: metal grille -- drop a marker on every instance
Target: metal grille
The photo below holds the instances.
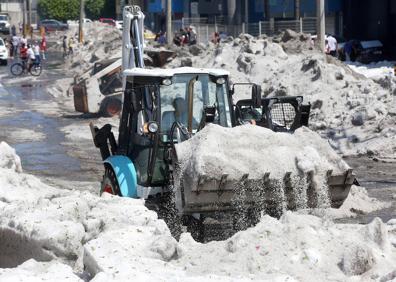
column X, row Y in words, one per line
column 283, row 114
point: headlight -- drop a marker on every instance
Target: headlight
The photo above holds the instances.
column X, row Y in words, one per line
column 153, row 127
column 220, row 80
column 167, row 82
column 150, row 127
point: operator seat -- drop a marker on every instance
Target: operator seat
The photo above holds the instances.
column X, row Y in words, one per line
column 168, row 118
column 179, row 114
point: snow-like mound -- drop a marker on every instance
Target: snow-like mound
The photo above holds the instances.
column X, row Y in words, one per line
column 115, row 239
column 357, row 113
column 253, row 150
column 8, row 158
column 294, row 248
column 33, row 271
column 358, row 202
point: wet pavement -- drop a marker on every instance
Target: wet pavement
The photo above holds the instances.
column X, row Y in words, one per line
column 26, row 106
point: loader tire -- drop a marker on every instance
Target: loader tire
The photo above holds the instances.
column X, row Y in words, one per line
column 110, row 107
column 110, row 183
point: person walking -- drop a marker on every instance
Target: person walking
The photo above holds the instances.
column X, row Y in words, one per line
column 43, row 46
column 14, row 46
column 71, row 45
column 332, row 43
column 31, row 57
column 13, row 30
column 36, row 50
column 23, row 53
column 64, row 45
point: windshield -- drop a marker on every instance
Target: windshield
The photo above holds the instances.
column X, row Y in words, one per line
column 1, row 42
column 175, row 101
column 3, row 18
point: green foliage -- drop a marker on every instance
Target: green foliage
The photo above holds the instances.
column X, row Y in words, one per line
column 61, row 10
column 109, row 10
column 94, row 8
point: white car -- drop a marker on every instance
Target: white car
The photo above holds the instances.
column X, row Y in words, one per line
column 3, row 52
column 119, row 24
column 4, row 24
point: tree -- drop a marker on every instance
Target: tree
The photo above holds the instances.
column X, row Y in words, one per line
column 61, row 10
column 109, row 9
column 94, row 8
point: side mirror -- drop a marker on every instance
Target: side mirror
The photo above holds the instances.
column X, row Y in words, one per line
column 256, row 96
column 210, row 113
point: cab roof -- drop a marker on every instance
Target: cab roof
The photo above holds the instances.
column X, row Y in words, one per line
column 157, row 72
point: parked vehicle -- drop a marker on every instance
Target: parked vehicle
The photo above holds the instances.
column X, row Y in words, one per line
column 362, row 51
column 3, row 52
column 53, row 25
column 108, row 21
column 4, row 24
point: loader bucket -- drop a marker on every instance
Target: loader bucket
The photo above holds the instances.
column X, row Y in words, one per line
column 80, row 98
column 207, row 194
column 160, row 57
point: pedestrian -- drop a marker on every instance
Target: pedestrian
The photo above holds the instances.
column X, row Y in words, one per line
column 64, row 45
column 15, row 45
column 216, row 38
column 36, row 50
column 23, row 52
column 162, row 38
column 348, row 50
column 333, row 46
column 71, row 45
column 192, row 35
column 23, row 40
column 31, row 57
column 327, row 48
column 13, row 30
column 43, row 46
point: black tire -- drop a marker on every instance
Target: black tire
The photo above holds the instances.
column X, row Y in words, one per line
column 110, row 183
column 17, row 69
column 36, row 70
column 110, row 107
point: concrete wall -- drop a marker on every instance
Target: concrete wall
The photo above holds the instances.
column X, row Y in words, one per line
column 14, row 10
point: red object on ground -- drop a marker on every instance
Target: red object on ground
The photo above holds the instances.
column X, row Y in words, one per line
column 108, row 21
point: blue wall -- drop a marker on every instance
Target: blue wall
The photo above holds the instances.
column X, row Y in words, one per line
column 280, row 7
column 155, row 6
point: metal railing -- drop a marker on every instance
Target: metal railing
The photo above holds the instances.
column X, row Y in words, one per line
column 205, row 30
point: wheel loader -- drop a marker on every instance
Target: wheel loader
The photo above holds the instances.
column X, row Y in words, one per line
column 163, row 107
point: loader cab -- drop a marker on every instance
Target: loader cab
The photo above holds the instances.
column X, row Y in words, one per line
column 164, row 107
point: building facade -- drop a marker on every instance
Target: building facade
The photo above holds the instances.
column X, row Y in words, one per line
column 372, row 20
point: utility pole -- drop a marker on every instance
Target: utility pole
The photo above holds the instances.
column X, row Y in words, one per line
column 297, row 9
column 29, row 18
column 247, row 12
column 24, row 18
column 320, row 23
column 80, row 23
column 169, row 22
